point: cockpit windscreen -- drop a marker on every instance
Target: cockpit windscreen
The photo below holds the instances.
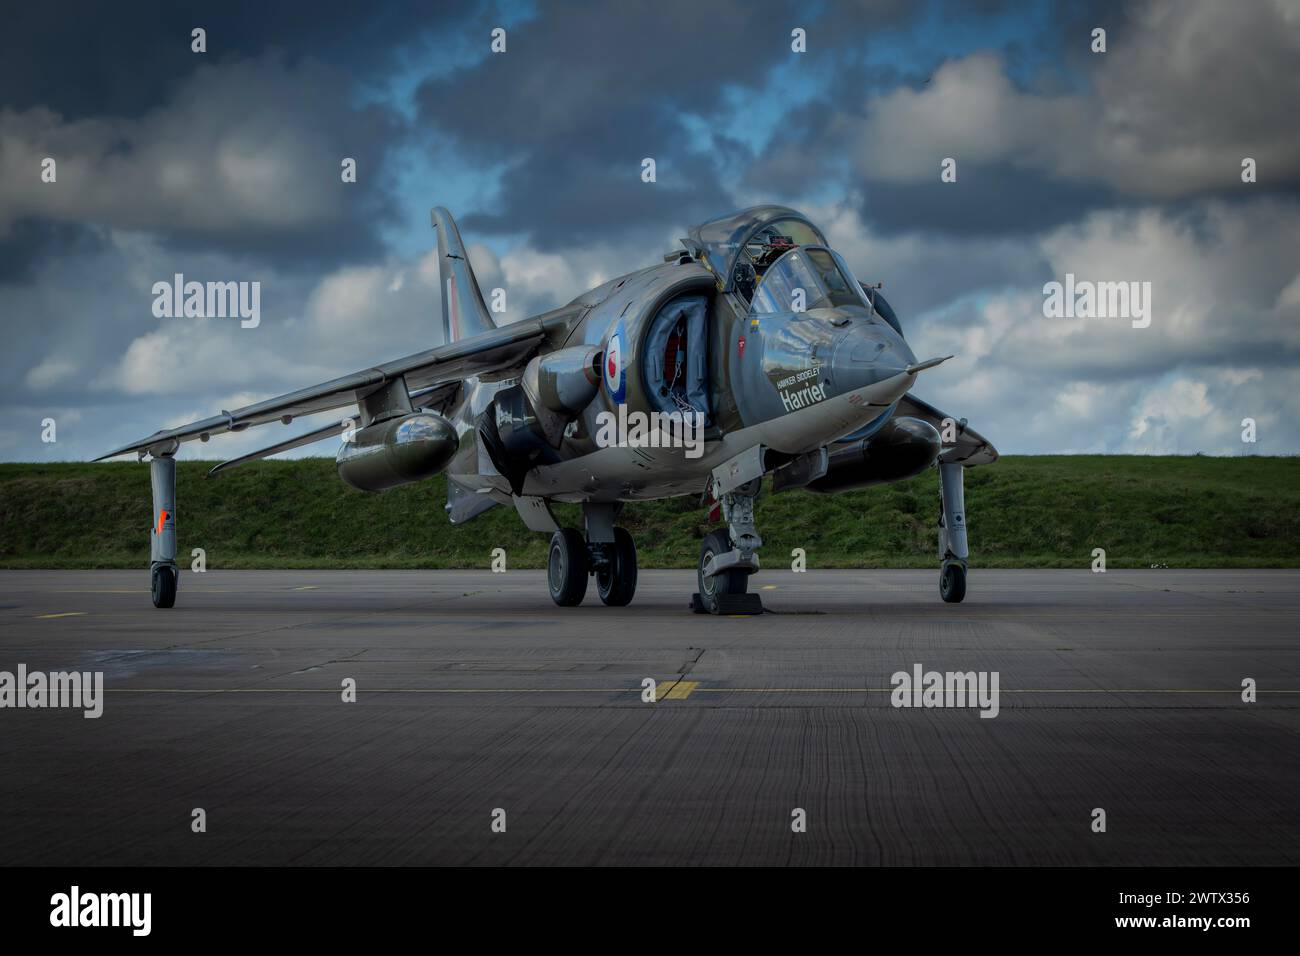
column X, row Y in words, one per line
column 803, row 279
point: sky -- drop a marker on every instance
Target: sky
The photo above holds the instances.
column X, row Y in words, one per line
column 224, row 165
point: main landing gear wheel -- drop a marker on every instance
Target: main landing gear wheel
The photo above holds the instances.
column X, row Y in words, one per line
column 163, row 586
column 952, row 582
column 725, row 582
column 616, row 581
column 566, row 568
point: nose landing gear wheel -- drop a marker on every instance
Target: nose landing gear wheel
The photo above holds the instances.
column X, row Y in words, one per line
column 616, row 581
column 952, row 582
column 725, row 582
column 566, row 568
column 163, row 586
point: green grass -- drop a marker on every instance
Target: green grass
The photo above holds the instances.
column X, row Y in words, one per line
column 1039, row 512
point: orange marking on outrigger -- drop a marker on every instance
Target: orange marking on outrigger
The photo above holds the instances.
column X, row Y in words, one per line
column 161, row 518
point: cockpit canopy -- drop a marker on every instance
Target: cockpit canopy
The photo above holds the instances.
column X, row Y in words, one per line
column 807, row 277
column 741, row 247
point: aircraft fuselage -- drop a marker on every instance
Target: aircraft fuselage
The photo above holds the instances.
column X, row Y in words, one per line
column 792, row 381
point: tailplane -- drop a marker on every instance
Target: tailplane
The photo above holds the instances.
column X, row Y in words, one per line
column 464, row 313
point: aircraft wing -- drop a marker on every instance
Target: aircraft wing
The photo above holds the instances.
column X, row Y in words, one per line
column 433, row 397
column 971, row 448
column 495, row 350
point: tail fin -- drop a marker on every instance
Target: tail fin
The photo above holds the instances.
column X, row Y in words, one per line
column 464, row 313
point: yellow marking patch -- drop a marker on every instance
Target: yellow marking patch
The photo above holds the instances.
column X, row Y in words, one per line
column 46, row 617
column 681, row 690
column 769, row 587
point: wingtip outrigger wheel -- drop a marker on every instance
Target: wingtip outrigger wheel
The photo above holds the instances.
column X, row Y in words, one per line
column 163, row 572
column 952, row 582
column 953, row 550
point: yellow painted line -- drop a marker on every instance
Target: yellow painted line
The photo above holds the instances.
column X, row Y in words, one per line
column 206, row 590
column 681, row 690
column 769, row 587
column 109, row 591
column 372, row 690
column 46, row 617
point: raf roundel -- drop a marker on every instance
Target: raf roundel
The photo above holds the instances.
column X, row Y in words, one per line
column 615, row 381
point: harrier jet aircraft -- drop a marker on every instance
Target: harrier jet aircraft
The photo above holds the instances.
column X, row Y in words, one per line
column 754, row 338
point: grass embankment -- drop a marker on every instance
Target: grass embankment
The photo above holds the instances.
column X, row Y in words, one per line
column 1041, row 512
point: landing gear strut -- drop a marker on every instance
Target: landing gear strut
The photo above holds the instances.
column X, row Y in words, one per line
column 953, row 551
column 164, row 575
column 728, row 558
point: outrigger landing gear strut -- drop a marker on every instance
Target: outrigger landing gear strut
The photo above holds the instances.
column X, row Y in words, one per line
column 163, row 572
column 953, row 551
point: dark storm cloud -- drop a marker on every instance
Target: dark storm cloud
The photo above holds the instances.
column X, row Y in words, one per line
column 1046, row 131
column 31, row 241
column 585, row 92
column 225, row 166
column 1144, row 121
column 986, row 200
column 235, row 150
column 576, row 66
column 568, row 197
column 243, row 156
column 812, row 143
column 85, row 58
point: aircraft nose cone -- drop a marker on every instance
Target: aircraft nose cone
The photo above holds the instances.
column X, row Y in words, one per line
column 869, row 353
